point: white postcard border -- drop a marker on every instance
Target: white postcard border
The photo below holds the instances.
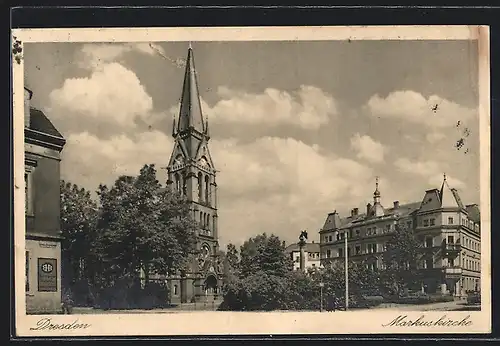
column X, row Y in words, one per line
column 237, row 323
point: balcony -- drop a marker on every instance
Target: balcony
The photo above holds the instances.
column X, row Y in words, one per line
column 450, row 250
column 452, row 272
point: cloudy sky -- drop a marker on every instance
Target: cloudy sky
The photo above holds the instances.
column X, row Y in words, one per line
column 298, row 128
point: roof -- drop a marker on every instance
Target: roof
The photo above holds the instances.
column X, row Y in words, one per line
column 39, row 122
column 190, row 114
column 309, row 247
column 402, row 211
column 473, row 212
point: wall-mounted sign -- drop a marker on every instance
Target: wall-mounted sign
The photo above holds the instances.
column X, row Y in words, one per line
column 47, row 275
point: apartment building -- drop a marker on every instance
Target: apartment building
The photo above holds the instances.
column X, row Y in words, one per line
column 450, row 259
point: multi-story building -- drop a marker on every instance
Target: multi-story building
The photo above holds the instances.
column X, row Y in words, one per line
column 192, row 173
column 42, row 151
column 450, row 259
column 311, row 253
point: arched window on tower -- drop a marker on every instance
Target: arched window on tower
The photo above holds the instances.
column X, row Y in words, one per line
column 184, row 184
column 207, row 188
column 177, row 182
column 200, row 186
column 207, row 222
column 201, row 219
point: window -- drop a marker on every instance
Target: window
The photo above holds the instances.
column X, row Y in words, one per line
column 426, row 223
column 432, row 222
column 330, row 238
column 184, row 185
column 341, row 252
column 200, row 186
column 429, row 241
column 348, row 251
column 207, row 189
column 451, row 239
column 408, row 224
column 314, row 265
column 328, row 253
column 451, row 262
column 428, row 264
column 28, row 193
column 450, row 221
column 214, row 222
column 357, row 233
column 175, row 290
column 27, row 271
column 358, row 249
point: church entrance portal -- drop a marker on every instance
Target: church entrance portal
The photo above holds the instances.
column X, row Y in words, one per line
column 210, row 285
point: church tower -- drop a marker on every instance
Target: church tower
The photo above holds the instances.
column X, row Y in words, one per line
column 191, row 172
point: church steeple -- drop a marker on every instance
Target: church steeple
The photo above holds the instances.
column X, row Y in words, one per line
column 190, row 115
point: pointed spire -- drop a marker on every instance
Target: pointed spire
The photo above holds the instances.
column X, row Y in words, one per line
column 207, row 133
column 173, row 127
column 377, row 192
column 447, row 196
column 190, row 115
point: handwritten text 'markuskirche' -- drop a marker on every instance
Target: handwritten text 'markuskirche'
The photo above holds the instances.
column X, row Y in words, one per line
column 443, row 321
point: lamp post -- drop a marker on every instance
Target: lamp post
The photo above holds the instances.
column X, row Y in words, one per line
column 321, row 285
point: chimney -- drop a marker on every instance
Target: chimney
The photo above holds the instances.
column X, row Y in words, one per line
column 27, row 97
column 368, row 207
column 396, row 204
column 355, row 212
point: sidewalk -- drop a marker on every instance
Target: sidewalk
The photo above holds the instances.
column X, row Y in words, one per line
column 444, row 306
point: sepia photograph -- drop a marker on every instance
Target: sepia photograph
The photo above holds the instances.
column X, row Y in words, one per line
column 255, row 173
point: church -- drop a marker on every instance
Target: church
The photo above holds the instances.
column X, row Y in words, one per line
column 192, row 173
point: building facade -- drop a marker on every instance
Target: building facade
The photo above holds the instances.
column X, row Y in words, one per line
column 42, row 150
column 450, row 259
column 311, row 253
column 191, row 172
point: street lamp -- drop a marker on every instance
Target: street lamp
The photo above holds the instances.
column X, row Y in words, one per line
column 321, row 285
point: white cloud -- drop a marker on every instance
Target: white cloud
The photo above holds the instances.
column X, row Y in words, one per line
column 112, row 94
column 88, row 160
column 93, row 55
column 278, row 185
column 422, row 168
column 308, row 108
column 431, row 171
column 367, row 148
column 435, row 137
column 434, row 112
column 437, row 179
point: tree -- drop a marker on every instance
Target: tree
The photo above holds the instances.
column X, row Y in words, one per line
column 264, row 253
column 263, row 282
column 401, row 258
column 231, row 263
column 78, row 224
column 144, row 227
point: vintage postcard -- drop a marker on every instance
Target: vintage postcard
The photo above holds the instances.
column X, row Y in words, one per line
column 267, row 180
